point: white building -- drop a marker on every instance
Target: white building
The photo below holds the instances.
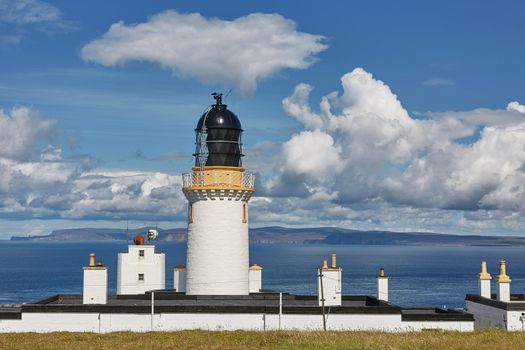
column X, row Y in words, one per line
column 502, row 310
column 329, row 284
column 258, row 312
column 140, row 270
column 218, row 190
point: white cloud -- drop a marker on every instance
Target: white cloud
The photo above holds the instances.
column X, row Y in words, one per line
column 515, row 106
column 241, row 52
column 36, row 182
column 28, row 11
column 375, row 157
column 311, row 153
column 461, row 176
column 16, row 16
column 19, row 131
column 438, row 82
column 360, row 161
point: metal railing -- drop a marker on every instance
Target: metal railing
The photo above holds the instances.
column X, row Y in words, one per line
column 218, row 178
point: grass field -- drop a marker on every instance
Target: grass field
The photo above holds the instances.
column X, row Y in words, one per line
column 490, row 339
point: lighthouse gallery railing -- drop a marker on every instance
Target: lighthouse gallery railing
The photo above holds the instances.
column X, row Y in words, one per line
column 218, row 178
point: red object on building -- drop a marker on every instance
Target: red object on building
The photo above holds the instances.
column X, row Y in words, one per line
column 138, row 240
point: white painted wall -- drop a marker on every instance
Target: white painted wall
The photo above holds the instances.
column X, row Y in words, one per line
column 95, row 289
column 331, row 286
column 95, row 322
column 130, row 265
column 217, row 255
column 179, row 279
column 492, row 317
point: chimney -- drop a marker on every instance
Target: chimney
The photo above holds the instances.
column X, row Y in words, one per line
column 382, row 285
column 95, row 289
column 179, row 278
column 484, row 281
column 255, row 278
column 503, row 282
column 329, row 284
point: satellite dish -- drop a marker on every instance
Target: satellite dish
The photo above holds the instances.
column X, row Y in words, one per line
column 152, row 234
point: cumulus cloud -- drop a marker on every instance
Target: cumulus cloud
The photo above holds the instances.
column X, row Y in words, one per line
column 241, row 52
column 19, row 131
column 37, row 182
column 515, row 106
column 361, row 151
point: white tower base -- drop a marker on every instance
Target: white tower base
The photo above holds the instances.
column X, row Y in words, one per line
column 218, row 244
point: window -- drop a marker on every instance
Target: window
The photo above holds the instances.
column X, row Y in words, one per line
column 244, row 214
column 141, row 253
column 141, row 277
column 190, row 214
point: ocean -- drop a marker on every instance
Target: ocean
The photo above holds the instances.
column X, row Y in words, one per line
column 419, row 275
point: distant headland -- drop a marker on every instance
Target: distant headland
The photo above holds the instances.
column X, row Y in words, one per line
column 280, row 235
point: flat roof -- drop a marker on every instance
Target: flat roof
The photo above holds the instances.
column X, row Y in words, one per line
column 517, row 301
column 169, row 301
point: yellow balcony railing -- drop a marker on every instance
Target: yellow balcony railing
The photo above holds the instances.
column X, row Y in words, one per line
column 219, row 178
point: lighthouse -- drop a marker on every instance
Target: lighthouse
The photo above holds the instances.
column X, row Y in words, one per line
column 218, row 190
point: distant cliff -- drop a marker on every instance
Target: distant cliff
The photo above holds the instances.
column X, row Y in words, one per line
column 276, row 235
column 105, row 234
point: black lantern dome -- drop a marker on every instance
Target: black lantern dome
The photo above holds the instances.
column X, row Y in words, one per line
column 218, row 137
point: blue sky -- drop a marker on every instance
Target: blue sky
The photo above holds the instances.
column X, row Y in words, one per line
column 442, row 59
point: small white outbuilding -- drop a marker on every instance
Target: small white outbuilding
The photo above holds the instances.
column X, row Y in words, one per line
column 140, row 269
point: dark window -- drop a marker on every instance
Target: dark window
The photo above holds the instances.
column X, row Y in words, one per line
column 141, row 277
column 244, row 214
column 190, row 214
column 141, row 253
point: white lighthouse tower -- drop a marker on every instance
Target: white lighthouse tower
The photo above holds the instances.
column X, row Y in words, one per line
column 218, row 190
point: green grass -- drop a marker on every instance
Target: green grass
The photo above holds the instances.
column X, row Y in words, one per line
column 488, row 339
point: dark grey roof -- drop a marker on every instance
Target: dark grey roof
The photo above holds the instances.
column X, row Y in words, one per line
column 517, row 302
column 171, row 302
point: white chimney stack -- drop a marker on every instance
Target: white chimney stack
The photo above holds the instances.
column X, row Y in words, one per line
column 382, row 285
column 503, row 282
column 95, row 282
column 179, row 278
column 484, row 282
column 329, row 284
column 255, row 278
